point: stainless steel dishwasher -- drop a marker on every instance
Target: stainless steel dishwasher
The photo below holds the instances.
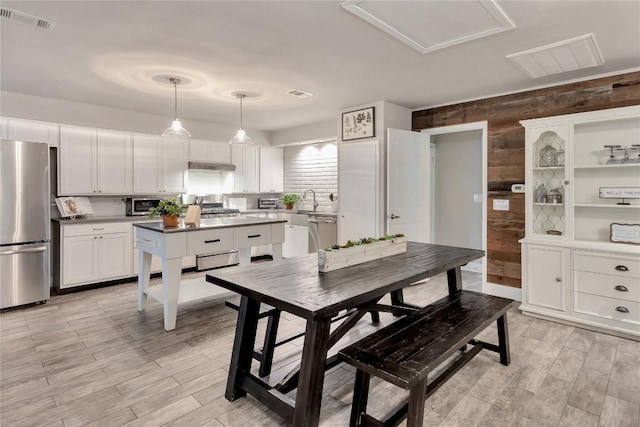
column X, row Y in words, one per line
column 323, row 232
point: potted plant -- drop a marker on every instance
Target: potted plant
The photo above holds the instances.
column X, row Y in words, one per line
column 289, row 200
column 170, row 210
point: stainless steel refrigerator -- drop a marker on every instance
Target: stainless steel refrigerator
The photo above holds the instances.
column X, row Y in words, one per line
column 24, row 223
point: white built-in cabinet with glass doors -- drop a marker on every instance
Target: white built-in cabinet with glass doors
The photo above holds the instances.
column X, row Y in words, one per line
column 581, row 251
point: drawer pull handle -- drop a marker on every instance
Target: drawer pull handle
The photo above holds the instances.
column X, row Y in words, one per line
column 622, row 309
column 253, row 236
column 98, row 229
column 621, row 288
column 212, row 241
column 622, row 268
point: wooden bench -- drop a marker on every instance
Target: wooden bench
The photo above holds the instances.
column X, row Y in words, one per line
column 405, row 352
column 264, row 355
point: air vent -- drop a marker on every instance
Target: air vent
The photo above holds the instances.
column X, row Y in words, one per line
column 299, row 93
column 561, row 57
column 25, row 19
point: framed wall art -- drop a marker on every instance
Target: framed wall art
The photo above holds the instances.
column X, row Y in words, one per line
column 359, row 124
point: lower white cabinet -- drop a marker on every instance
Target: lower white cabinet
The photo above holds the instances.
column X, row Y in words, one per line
column 296, row 241
column 548, row 285
column 596, row 286
column 94, row 253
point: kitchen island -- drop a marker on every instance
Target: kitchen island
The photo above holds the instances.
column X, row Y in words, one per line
column 215, row 235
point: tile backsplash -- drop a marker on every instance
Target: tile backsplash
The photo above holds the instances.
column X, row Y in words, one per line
column 313, row 166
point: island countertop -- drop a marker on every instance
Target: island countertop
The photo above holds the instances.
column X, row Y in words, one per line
column 208, row 224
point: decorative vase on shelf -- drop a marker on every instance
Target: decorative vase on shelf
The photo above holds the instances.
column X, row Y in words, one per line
column 548, row 157
column 541, row 194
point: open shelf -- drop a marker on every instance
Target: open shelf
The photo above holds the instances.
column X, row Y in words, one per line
column 614, row 166
column 594, row 205
column 548, row 204
column 548, row 168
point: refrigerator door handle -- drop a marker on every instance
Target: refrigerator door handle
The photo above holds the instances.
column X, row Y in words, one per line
column 24, row 251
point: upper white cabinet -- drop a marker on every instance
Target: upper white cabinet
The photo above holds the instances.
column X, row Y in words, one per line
column 271, row 170
column 209, row 151
column 3, row 128
column 159, row 165
column 94, row 161
column 30, row 130
column 246, row 175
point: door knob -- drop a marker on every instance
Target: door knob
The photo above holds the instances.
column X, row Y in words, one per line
column 394, row 216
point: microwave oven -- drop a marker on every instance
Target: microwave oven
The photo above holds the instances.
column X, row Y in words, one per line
column 268, row 203
column 140, row 206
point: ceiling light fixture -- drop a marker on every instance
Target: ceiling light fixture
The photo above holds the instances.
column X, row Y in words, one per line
column 176, row 130
column 241, row 137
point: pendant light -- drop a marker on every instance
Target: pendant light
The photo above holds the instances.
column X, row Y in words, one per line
column 176, row 130
column 241, row 137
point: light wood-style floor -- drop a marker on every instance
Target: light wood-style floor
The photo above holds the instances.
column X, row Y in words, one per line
column 90, row 359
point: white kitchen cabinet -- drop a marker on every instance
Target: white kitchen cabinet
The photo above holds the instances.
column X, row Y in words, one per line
column 246, row 176
column 549, row 288
column 159, row 166
column 94, row 161
column 4, row 123
column 571, row 270
column 271, row 170
column 358, row 189
column 209, row 151
column 31, row 130
column 296, row 241
column 94, row 253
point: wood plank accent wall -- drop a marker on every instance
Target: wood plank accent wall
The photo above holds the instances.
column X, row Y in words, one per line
column 506, row 150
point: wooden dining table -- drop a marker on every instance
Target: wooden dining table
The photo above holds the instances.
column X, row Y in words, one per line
column 294, row 285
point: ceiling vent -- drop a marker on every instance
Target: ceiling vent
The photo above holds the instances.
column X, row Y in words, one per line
column 427, row 26
column 299, row 93
column 567, row 55
column 25, row 19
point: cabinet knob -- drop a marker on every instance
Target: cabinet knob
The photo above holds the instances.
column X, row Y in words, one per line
column 566, row 182
column 622, row 309
column 622, row 268
column 558, row 279
column 621, row 288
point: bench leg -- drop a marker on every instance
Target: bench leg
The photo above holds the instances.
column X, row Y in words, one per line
column 360, row 396
column 417, row 396
column 503, row 340
column 375, row 317
column 269, row 344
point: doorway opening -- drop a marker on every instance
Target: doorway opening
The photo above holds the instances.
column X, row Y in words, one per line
column 458, row 193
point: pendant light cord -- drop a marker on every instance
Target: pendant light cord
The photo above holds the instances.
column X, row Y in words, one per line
column 241, row 95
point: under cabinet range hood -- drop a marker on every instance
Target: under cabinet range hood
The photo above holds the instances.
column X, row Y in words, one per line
column 212, row 166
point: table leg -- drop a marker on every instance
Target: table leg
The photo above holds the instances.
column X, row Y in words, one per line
column 242, row 353
column 171, row 271
column 454, row 279
column 244, row 256
column 314, row 356
column 276, row 251
column 144, row 274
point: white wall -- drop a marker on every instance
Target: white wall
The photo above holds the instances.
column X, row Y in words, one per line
column 312, row 166
column 458, row 220
column 23, row 106
column 312, row 132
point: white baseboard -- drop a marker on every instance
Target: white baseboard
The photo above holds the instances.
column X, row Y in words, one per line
column 502, row 291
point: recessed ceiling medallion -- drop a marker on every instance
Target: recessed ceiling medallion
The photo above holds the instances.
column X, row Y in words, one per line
column 431, row 25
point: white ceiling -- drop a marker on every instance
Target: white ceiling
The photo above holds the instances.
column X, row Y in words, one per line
column 106, row 53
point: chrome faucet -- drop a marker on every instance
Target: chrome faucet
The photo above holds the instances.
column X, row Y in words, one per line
column 315, row 204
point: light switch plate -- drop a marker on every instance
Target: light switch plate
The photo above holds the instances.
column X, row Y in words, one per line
column 500, row 205
column 477, row 198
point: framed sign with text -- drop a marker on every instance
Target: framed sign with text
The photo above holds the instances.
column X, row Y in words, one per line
column 625, row 233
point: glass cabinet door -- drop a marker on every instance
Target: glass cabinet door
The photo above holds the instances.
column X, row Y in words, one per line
column 548, row 190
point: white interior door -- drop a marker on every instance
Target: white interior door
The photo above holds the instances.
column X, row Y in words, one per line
column 408, row 165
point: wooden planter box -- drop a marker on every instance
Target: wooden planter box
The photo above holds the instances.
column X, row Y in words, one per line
column 345, row 257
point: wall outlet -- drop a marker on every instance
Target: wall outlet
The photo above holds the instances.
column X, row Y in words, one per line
column 477, row 198
column 500, row 205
